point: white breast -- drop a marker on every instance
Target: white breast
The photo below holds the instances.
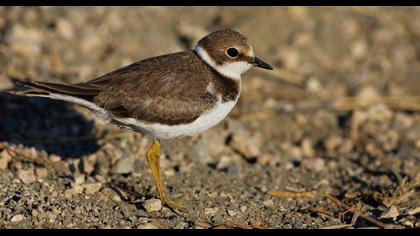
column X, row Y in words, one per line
column 209, row 119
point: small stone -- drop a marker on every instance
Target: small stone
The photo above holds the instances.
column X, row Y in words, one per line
column 211, row 211
column 65, row 28
column 264, row 159
column 243, row 208
column 41, row 173
column 55, row 158
column 200, row 152
column 147, row 226
column 232, row 212
column 25, row 40
column 307, row 148
column 92, row 188
column 123, row 166
column 313, row 85
column 223, row 162
column 268, row 203
column 68, row 193
column 79, row 179
column 17, row 218
column 26, row 176
column 152, row 205
column 332, row 142
column 5, row 158
column 243, row 141
column 109, row 194
column 315, row 164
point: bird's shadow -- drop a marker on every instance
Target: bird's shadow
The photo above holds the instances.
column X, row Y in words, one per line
column 46, row 124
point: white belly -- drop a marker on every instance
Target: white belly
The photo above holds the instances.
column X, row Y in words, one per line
column 209, row 119
column 205, row 121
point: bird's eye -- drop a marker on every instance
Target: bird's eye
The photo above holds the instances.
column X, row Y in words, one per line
column 232, row 52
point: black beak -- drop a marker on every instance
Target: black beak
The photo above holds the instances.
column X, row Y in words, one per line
column 259, row 63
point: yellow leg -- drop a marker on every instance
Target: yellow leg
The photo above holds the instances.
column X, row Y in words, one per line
column 153, row 159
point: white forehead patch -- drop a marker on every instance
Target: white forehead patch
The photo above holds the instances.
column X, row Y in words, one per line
column 229, row 69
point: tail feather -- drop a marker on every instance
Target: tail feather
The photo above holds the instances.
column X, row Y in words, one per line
column 84, row 91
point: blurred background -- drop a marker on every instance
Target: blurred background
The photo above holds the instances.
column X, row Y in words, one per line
column 339, row 114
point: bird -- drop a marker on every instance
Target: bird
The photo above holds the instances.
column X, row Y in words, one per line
column 165, row 97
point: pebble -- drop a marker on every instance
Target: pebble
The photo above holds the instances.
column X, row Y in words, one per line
column 123, row 166
column 92, row 187
column 307, row 148
column 232, row 212
column 26, row 176
column 200, row 152
column 242, row 140
column 17, row 218
column 152, row 205
column 315, row 164
column 223, row 162
column 41, row 173
column 332, row 142
column 268, row 203
column 25, row 40
column 211, row 210
column 243, row 208
column 215, row 140
column 5, row 158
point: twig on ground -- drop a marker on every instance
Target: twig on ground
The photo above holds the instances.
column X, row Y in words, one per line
column 355, row 211
column 287, row 194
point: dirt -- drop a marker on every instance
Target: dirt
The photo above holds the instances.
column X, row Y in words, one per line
column 338, row 115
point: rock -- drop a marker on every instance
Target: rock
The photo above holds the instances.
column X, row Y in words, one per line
column 268, row 203
column 264, row 159
column 26, row 41
column 17, row 218
column 313, row 85
column 242, row 140
column 332, row 142
column 5, row 158
column 223, row 162
column 147, row 226
column 26, row 176
column 123, row 166
column 152, row 205
column 41, row 173
column 359, row 49
column 314, row 164
column 243, row 208
column 79, row 179
column 200, row 152
column 109, row 194
column 54, row 158
column 232, row 212
column 215, row 140
column 65, row 28
column 307, row 148
column 92, row 188
column 211, row 211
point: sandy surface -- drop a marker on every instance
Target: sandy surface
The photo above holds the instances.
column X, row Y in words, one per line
column 339, row 115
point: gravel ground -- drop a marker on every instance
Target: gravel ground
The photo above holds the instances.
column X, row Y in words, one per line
column 330, row 138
